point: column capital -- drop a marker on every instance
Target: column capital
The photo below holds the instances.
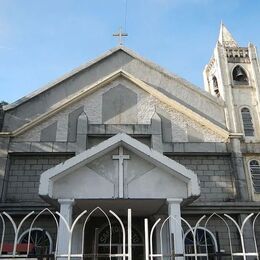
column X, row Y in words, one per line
column 174, row 201
column 66, row 201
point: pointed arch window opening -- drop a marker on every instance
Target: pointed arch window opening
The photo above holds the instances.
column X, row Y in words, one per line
column 215, row 86
column 205, row 242
column 40, row 239
column 255, row 174
column 102, row 243
column 239, row 76
column 247, row 122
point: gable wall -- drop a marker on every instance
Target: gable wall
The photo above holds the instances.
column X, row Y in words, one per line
column 177, row 89
column 174, row 88
column 44, row 101
column 100, row 109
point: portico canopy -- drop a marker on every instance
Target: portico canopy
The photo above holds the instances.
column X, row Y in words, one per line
column 119, row 167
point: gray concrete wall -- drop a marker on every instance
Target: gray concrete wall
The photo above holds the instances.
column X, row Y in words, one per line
column 2, row 114
column 215, row 175
column 24, row 175
column 100, row 109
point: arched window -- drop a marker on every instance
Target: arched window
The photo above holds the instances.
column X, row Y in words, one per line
column 215, row 86
column 247, row 122
column 39, row 238
column 255, row 174
column 103, row 241
column 239, row 75
column 205, row 243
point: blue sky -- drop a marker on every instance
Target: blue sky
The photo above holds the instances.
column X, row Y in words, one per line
column 40, row 40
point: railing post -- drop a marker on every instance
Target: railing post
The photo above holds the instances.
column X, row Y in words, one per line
column 129, row 232
column 146, row 235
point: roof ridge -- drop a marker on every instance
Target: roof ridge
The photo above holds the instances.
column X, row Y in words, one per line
column 99, row 58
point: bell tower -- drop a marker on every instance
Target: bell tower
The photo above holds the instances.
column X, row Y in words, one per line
column 233, row 75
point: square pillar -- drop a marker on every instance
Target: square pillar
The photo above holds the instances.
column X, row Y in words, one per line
column 174, row 210
column 66, row 210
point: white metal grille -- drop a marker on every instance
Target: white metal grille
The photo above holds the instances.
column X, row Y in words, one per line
column 198, row 238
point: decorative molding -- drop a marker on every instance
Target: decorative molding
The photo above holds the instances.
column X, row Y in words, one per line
column 106, row 80
column 236, row 135
column 121, row 139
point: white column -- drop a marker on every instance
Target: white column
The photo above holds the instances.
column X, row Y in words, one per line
column 66, row 209
column 174, row 210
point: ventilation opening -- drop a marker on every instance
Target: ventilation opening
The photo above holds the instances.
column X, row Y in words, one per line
column 215, row 86
column 255, row 174
column 247, row 122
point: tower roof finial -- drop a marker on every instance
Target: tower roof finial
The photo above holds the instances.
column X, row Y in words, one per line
column 225, row 37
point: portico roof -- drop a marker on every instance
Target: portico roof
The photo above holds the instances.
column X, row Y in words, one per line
column 169, row 166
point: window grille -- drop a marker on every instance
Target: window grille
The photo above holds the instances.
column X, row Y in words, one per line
column 247, row 122
column 255, row 174
column 39, row 238
column 205, row 241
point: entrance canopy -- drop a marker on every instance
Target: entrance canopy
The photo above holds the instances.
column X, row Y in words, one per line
column 119, row 168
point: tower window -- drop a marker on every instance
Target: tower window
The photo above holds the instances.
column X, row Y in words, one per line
column 215, row 86
column 239, row 75
column 247, row 122
column 255, row 174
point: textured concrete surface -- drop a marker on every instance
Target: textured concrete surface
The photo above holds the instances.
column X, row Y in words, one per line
column 24, row 176
column 48, row 134
column 120, row 59
column 119, row 106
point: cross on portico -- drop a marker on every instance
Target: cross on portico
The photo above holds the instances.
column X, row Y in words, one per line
column 121, row 157
column 120, row 35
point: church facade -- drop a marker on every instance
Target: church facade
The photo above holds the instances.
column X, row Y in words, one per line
column 123, row 133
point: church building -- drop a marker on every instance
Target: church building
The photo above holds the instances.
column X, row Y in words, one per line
column 120, row 133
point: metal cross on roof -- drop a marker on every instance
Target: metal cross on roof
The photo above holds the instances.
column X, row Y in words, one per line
column 120, row 36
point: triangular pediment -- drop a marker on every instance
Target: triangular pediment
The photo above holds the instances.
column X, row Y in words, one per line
column 95, row 174
column 162, row 97
column 169, row 88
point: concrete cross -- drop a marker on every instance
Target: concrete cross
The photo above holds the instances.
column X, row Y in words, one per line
column 121, row 157
column 120, row 35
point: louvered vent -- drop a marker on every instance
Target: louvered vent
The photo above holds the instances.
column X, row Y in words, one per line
column 255, row 174
column 247, row 122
